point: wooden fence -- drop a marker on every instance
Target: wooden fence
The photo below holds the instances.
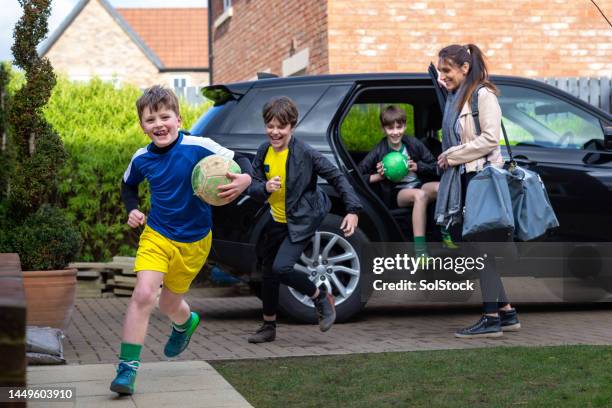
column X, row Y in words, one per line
column 595, row 91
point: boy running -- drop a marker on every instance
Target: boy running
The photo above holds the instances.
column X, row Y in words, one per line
column 285, row 172
column 177, row 235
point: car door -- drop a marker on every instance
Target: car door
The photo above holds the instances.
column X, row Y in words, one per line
column 563, row 141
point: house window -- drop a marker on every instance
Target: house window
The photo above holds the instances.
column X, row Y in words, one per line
column 228, row 11
column 179, row 82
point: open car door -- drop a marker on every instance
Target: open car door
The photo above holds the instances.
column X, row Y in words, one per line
column 440, row 91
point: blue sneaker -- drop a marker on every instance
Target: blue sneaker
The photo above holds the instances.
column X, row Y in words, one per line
column 179, row 341
column 126, row 377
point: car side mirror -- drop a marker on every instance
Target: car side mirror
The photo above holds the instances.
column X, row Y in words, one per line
column 608, row 137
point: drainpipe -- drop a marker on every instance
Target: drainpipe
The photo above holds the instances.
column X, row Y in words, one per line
column 210, row 43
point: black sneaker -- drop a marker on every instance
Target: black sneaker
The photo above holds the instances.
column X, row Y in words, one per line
column 487, row 326
column 326, row 309
column 509, row 320
column 266, row 333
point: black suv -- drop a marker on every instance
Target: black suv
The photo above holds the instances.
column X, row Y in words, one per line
column 567, row 141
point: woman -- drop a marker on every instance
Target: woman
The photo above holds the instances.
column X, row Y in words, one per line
column 463, row 72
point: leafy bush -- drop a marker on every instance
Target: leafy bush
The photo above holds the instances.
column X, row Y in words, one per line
column 99, row 127
column 361, row 128
column 7, row 158
column 29, row 225
column 46, row 240
column 39, row 153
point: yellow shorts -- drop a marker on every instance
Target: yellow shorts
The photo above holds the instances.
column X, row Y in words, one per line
column 180, row 262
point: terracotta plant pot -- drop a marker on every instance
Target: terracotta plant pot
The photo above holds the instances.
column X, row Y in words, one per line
column 50, row 297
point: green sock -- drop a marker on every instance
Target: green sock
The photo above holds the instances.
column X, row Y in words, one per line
column 184, row 326
column 446, row 235
column 420, row 246
column 130, row 352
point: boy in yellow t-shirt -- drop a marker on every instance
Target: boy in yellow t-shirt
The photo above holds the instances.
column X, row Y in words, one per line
column 285, row 172
column 275, row 166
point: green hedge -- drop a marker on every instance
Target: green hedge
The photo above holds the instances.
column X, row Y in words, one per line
column 361, row 128
column 99, row 126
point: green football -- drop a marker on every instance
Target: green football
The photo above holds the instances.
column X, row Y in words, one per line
column 395, row 165
column 209, row 174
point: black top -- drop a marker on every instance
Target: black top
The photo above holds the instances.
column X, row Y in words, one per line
column 305, row 202
column 426, row 163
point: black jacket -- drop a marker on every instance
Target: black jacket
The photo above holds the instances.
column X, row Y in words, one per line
column 426, row 163
column 305, row 203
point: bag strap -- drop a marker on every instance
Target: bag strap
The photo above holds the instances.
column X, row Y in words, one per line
column 512, row 162
column 474, row 106
column 475, row 113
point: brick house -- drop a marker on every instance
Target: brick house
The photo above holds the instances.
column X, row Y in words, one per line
column 532, row 38
column 125, row 45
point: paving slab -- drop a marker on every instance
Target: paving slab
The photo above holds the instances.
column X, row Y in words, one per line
column 160, row 384
column 387, row 324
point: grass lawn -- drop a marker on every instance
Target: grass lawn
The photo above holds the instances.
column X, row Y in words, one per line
column 567, row 376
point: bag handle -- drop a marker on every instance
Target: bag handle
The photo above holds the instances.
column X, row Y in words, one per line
column 475, row 113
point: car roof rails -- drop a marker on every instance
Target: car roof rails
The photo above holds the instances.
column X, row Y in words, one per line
column 266, row 75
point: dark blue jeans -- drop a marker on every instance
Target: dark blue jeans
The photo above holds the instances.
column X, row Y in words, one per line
column 279, row 255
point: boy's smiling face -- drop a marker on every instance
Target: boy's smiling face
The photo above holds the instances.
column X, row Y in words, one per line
column 161, row 125
column 394, row 133
column 279, row 135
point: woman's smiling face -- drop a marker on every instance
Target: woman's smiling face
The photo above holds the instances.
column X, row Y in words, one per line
column 451, row 74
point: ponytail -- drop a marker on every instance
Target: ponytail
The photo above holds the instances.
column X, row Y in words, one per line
column 477, row 74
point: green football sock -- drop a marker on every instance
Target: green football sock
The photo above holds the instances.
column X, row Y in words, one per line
column 420, row 246
column 130, row 352
column 183, row 327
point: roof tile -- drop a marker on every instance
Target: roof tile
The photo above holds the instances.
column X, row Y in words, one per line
column 178, row 36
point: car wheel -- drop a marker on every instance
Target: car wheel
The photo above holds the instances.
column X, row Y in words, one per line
column 332, row 260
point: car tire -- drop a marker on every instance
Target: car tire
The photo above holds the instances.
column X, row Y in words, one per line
column 348, row 272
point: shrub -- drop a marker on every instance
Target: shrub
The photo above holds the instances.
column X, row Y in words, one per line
column 40, row 233
column 45, row 240
column 39, row 151
column 6, row 153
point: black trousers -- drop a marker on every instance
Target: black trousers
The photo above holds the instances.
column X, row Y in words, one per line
column 279, row 255
column 493, row 293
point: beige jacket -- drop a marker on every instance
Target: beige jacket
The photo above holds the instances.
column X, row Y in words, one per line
column 473, row 149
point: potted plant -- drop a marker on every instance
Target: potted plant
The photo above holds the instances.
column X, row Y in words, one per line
column 30, row 223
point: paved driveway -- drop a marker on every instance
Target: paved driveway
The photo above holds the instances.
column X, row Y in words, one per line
column 385, row 325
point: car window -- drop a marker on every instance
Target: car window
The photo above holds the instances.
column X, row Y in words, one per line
column 250, row 120
column 205, row 119
column 534, row 118
column 361, row 130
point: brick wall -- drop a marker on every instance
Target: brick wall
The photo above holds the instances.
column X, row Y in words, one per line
column 260, row 35
column 532, row 38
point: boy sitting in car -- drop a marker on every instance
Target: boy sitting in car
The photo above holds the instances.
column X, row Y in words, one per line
column 410, row 191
